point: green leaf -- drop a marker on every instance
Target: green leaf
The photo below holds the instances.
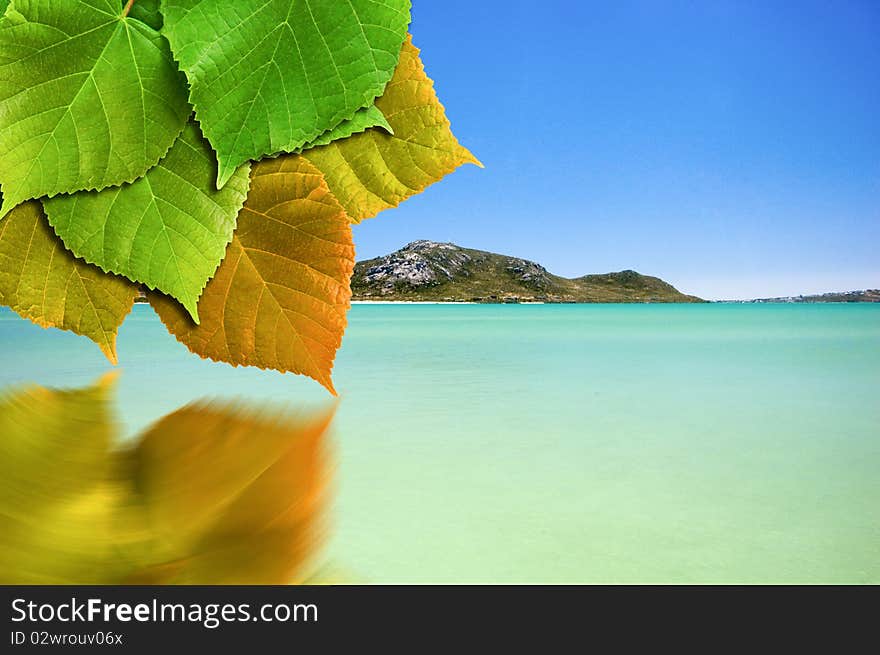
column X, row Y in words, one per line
column 363, row 120
column 43, row 282
column 146, row 11
column 270, row 76
column 88, row 99
column 168, row 230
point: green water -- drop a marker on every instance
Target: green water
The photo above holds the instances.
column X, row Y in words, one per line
column 710, row 443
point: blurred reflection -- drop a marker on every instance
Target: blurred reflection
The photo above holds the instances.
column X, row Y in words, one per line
column 214, row 493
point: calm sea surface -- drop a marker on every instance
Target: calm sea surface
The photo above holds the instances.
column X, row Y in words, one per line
column 564, row 443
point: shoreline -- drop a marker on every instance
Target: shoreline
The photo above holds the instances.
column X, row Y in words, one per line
column 415, row 302
column 625, row 302
column 140, row 301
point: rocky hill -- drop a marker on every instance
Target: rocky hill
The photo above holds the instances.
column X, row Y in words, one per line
column 431, row 271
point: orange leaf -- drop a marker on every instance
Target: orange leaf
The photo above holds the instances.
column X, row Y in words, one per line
column 280, row 296
column 238, row 495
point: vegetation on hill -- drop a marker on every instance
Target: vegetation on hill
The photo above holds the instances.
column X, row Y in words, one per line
column 431, row 271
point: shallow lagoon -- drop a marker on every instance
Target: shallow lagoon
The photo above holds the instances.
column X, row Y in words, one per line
column 564, row 443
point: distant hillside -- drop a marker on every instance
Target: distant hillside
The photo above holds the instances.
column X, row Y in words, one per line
column 426, row 270
column 867, row 295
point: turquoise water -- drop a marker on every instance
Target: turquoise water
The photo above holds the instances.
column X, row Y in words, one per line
column 565, row 443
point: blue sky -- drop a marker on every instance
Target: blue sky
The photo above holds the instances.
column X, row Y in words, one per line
column 732, row 148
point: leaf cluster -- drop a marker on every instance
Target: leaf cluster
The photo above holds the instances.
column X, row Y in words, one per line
column 211, row 154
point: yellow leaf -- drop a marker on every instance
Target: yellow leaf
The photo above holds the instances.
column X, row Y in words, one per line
column 43, row 282
column 280, row 296
column 375, row 170
column 55, row 521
